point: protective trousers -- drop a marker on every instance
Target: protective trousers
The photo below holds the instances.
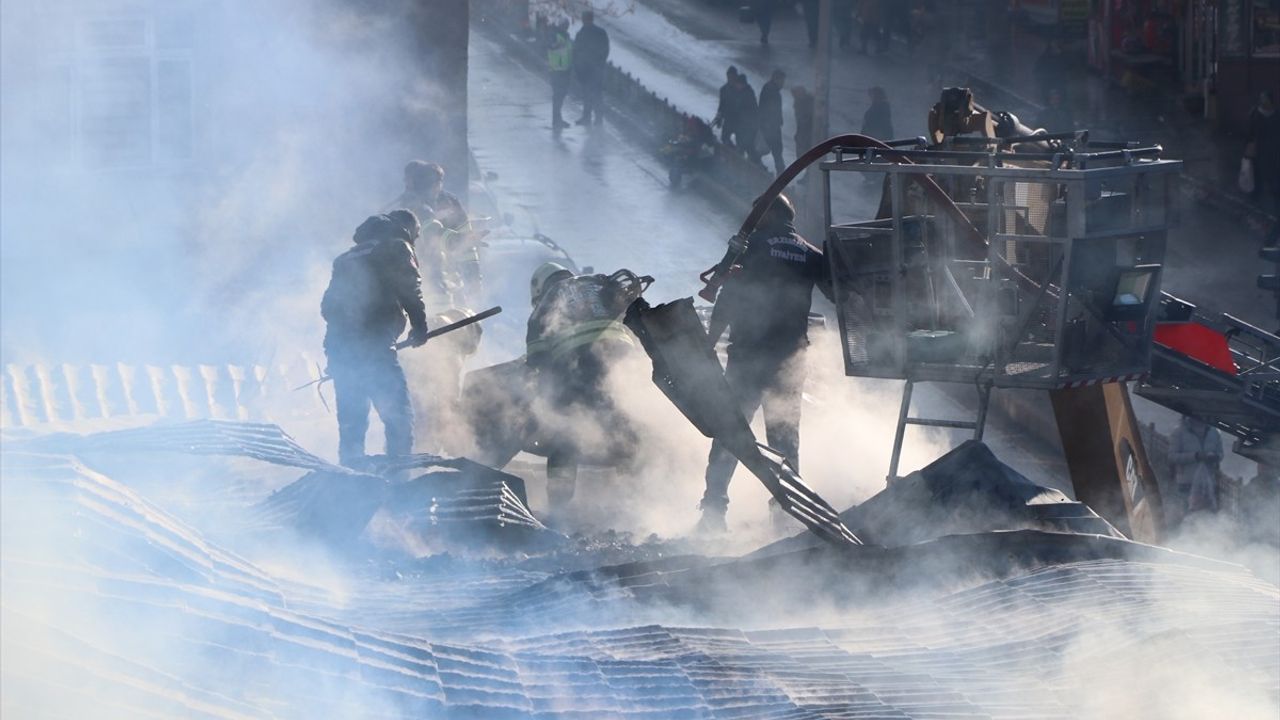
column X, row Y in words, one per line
column 579, row 393
column 376, row 379
column 760, row 376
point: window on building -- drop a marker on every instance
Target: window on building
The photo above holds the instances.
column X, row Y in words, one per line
column 129, row 93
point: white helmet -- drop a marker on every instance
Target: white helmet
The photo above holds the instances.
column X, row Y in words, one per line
column 543, row 277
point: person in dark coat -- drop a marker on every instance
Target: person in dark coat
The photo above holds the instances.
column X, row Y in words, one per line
column 727, row 111
column 747, row 112
column 590, row 58
column 869, row 19
column 810, row 10
column 456, row 242
column 802, row 105
column 1264, row 147
column 763, row 11
column 766, row 306
column 842, row 16
column 877, row 121
column 770, row 112
column 374, row 288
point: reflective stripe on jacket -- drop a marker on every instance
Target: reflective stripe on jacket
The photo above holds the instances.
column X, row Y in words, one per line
column 560, row 55
column 554, row 347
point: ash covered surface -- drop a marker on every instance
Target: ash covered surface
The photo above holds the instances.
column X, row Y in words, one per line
column 968, row 490
column 114, row 607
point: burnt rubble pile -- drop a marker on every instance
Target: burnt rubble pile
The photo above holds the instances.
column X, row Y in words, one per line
column 116, row 608
column 456, row 498
column 968, row 490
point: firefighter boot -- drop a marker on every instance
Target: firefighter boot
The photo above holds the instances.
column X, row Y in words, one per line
column 712, row 521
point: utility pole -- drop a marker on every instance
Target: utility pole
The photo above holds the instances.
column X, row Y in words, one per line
column 814, row 223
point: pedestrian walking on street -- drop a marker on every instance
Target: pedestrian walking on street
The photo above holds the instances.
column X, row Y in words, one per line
column 748, row 114
column 1263, row 147
column 810, row 10
column 842, row 17
column 877, row 121
column 559, row 65
column 766, row 305
column 802, row 106
column 770, row 109
column 726, row 112
column 1195, row 449
column 590, row 59
column 762, row 11
column 870, row 25
column 374, row 288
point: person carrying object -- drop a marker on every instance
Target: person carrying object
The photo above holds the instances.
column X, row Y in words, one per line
column 575, row 335
column 373, row 290
column 766, row 307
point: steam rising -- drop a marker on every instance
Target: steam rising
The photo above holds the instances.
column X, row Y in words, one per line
column 272, row 129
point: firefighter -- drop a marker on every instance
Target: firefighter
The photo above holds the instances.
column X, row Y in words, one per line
column 373, row 289
column 454, row 246
column 766, row 307
column 574, row 336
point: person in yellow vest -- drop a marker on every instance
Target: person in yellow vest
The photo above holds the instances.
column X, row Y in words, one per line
column 560, row 65
column 575, row 335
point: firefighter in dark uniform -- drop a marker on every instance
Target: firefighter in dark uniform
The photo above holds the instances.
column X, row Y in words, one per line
column 456, row 246
column 766, row 307
column 574, row 336
column 373, row 289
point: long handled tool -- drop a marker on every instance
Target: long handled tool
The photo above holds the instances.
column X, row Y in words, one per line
column 442, row 330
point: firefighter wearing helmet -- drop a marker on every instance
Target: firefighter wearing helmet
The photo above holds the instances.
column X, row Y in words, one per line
column 575, row 335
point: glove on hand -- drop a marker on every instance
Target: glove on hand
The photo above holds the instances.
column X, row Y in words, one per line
column 418, row 336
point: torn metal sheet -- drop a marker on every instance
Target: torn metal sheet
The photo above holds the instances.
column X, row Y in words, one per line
column 688, row 372
column 225, row 639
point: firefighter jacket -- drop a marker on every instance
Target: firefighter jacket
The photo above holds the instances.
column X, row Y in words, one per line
column 373, row 289
column 572, row 314
column 766, row 304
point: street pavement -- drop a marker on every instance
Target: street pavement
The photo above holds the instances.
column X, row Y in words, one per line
column 605, row 198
